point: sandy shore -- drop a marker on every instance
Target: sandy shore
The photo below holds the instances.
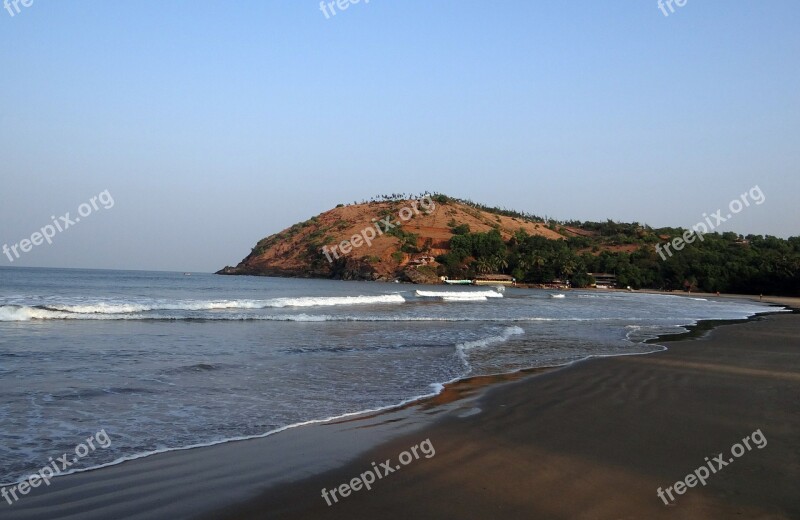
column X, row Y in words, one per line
column 592, row 440
column 595, row 440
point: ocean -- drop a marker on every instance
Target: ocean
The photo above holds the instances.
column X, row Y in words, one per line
column 163, row 361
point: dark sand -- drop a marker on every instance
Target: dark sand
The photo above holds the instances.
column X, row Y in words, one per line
column 593, row 440
column 596, row 439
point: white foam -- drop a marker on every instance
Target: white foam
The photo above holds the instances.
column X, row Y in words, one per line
column 462, row 349
column 459, row 295
column 465, row 298
column 335, row 300
column 127, row 310
column 101, row 308
column 21, row 313
column 436, row 389
column 24, row 313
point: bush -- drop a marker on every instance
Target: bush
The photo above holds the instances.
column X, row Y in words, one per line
column 461, row 229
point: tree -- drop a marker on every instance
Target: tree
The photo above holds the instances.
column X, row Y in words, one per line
column 500, row 263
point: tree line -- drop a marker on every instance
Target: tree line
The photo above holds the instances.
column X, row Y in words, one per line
column 724, row 262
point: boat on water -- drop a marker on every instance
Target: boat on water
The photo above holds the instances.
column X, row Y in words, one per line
column 458, row 282
column 557, row 295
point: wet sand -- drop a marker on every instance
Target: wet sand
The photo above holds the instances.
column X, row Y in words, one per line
column 595, row 440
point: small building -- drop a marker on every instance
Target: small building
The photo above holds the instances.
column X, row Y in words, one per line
column 495, row 279
column 604, row 280
column 422, row 260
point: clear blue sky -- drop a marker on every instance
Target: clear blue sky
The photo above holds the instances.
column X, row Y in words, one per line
column 214, row 124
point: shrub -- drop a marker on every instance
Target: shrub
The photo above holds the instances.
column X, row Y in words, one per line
column 462, row 229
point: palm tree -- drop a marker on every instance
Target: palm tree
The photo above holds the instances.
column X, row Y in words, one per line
column 500, row 263
column 537, row 261
column 568, row 267
column 483, row 266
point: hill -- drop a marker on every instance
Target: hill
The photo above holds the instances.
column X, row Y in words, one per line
column 298, row 250
column 422, row 238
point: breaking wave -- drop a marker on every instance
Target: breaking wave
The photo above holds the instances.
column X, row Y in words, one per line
column 104, row 310
column 460, row 296
column 462, row 349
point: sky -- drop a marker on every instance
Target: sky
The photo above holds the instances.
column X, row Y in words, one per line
column 214, row 124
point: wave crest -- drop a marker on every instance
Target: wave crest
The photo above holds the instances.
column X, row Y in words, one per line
column 459, row 296
column 129, row 310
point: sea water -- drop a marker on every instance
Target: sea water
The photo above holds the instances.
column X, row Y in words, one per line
column 165, row 361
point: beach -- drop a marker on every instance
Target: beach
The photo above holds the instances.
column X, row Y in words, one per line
column 594, row 439
column 413, row 260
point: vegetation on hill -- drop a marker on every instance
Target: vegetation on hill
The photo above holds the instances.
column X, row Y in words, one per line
column 723, row 262
column 469, row 239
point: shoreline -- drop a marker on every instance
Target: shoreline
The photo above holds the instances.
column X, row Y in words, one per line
column 456, row 385
column 384, row 426
column 474, row 482
column 459, row 382
column 539, row 287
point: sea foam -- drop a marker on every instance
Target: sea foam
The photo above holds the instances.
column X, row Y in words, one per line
column 130, row 310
